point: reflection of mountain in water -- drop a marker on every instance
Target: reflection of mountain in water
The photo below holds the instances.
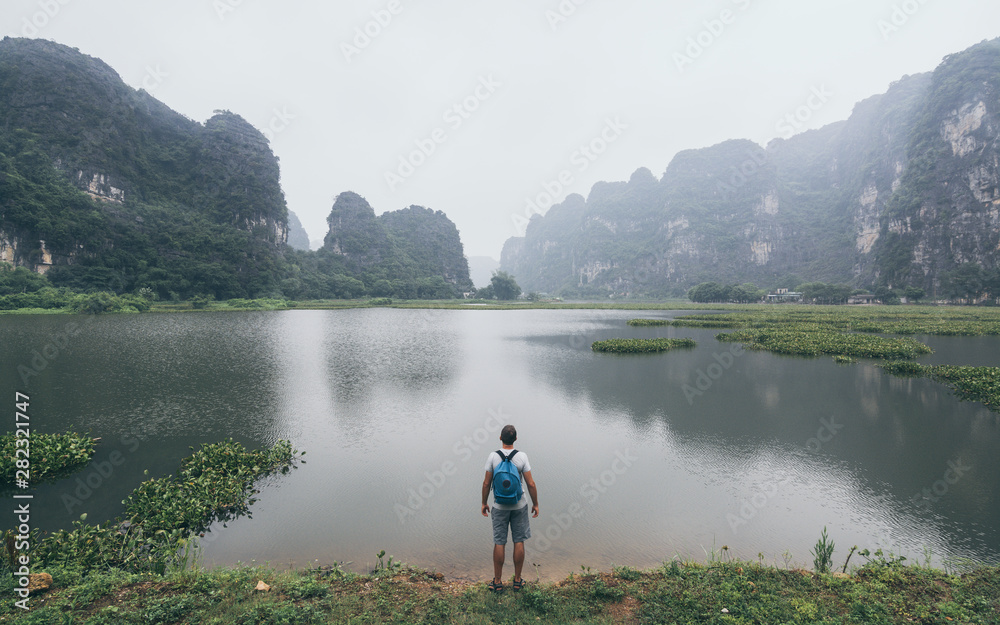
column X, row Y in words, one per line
column 894, row 437
column 415, row 351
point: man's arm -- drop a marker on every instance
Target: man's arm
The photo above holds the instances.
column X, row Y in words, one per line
column 487, row 483
column 530, row 483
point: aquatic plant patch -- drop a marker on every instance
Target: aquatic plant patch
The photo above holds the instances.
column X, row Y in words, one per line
column 939, row 321
column 214, row 483
column 797, row 343
column 640, row 346
column 51, row 455
column 980, row 384
column 643, row 323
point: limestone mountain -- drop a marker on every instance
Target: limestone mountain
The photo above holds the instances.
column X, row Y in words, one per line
column 414, row 249
column 903, row 193
column 103, row 186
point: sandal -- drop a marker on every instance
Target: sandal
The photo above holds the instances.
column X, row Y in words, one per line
column 495, row 586
column 518, row 584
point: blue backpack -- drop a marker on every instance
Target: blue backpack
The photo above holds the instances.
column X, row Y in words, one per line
column 507, row 481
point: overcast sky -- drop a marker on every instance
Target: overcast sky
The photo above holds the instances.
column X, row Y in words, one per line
column 474, row 108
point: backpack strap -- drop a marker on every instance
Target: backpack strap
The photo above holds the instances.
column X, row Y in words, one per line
column 506, row 457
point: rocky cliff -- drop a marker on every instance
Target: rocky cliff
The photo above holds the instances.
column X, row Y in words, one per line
column 899, row 194
column 103, row 186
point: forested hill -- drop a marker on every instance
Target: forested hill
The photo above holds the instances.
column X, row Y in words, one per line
column 108, row 188
column 413, row 252
column 906, row 192
column 103, row 187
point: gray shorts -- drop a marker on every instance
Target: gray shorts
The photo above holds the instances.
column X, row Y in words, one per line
column 516, row 519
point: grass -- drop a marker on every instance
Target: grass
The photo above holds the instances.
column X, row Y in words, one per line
column 640, row 346
column 677, row 592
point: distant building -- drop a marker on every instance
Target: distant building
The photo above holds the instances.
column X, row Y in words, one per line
column 783, row 295
column 861, row 298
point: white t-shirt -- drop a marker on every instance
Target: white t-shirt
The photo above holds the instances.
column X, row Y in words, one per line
column 520, row 460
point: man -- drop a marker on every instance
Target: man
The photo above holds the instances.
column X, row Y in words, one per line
column 514, row 516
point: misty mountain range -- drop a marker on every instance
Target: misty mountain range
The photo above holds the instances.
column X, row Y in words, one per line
column 903, row 193
column 104, row 187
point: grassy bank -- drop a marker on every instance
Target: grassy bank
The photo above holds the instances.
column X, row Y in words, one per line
column 678, row 592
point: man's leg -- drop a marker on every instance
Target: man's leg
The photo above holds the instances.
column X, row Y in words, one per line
column 498, row 558
column 518, row 560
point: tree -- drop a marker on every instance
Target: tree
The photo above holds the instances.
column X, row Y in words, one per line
column 886, row 295
column 965, row 282
column 746, row 293
column 823, row 293
column 914, row 294
column 504, row 286
column 710, row 292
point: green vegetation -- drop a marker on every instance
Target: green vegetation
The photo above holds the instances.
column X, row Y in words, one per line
column 640, row 346
column 214, row 483
column 502, row 287
column 50, row 455
column 815, row 343
column 847, row 333
column 909, row 320
column 646, row 323
column 822, row 553
column 715, row 292
column 980, row 384
column 881, row 591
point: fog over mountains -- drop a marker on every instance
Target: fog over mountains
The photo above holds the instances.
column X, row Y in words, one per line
column 900, row 194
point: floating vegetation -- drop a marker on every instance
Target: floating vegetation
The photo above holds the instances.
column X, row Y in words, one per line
column 840, row 359
column 903, row 368
column 214, row 483
column 980, row 384
column 943, row 321
column 50, row 455
column 816, row 343
column 640, row 346
column 642, row 323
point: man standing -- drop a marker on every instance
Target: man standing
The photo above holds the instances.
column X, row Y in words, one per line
column 513, row 515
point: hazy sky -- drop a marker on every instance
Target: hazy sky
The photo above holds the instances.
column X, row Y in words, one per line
column 472, row 108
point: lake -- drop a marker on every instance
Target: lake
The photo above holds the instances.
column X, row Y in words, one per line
column 638, row 459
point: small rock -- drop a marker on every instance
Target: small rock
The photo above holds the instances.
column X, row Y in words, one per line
column 261, row 586
column 39, row 581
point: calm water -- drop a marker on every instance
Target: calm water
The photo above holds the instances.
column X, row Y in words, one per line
column 637, row 459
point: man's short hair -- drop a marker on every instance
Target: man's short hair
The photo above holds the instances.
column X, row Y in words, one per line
column 508, row 435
